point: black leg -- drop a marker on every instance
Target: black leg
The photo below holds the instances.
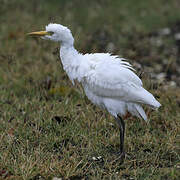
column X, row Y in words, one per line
column 122, row 131
column 121, row 125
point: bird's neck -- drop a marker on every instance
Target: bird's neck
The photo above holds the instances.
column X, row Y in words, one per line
column 71, row 60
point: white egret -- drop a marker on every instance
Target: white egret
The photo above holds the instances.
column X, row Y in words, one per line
column 108, row 81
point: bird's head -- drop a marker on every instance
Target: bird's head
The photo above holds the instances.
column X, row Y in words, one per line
column 55, row 32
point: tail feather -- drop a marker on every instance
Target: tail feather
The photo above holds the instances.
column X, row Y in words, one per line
column 155, row 104
column 141, row 112
column 149, row 99
column 136, row 110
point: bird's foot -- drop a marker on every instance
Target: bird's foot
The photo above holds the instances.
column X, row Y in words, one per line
column 120, row 156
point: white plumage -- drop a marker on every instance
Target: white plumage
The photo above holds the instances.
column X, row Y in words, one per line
column 108, row 81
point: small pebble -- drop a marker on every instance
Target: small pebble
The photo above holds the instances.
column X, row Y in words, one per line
column 165, row 31
column 56, row 178
column 97, row 158
column 177, row 36
column 161, row 76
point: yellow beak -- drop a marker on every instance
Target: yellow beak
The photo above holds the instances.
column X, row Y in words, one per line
column 38, row 33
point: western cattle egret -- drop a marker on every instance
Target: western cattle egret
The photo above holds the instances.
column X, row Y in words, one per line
column 108, row 81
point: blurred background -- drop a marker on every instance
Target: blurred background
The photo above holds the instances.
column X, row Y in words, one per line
column 147, row 33
column 49, row 127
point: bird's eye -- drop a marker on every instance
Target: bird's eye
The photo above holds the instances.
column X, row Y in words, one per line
column 50, row 33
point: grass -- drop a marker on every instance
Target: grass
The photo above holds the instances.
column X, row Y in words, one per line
column 49, row 128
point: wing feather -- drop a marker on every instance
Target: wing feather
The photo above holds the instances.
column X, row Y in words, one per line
column 114, row 77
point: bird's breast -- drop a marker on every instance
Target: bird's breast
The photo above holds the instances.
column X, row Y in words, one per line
column 98, row 100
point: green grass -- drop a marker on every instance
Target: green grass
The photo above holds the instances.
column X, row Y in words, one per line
column 48, row 128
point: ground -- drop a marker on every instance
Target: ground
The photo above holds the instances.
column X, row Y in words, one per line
column 50, row 129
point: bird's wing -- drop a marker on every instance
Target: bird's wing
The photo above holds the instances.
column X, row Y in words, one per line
column 113, row 77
